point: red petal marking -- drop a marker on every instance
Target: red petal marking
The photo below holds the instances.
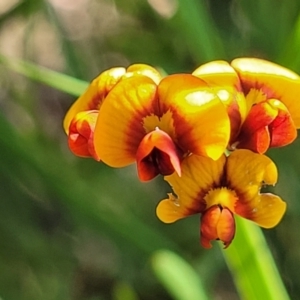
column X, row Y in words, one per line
column 157, row 154
column 282, row 130
column 268, row 124
column 208, row 227
column 273, row 80
column 226, row 227
column 81, row 133
column 254, row 134
column 217, row 223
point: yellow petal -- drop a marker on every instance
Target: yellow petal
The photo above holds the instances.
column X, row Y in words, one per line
column 119, row 129
column 92, row 98
column 145, row 70
column 200, row 119
column 275, row 81
column 168, row 211
column 247, row 172
column 220, row 75
column 198, row 175
column 266, row 210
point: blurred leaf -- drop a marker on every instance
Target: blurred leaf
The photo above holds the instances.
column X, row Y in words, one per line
column 252, row 266
column 123, row 291
column 178, row 277
column 197, row 28
column 290, row 54
column 62, row 82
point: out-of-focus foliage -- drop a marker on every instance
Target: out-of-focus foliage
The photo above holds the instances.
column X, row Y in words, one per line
column 72, row 228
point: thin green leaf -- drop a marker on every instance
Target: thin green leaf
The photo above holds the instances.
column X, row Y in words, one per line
column 252, row 265
column 62, row 82
column 177, row 276
column 199, row 30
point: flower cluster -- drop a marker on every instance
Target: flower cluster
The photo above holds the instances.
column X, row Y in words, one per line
column 205, row 132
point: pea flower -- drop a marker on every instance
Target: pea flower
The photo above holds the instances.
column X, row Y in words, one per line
column 80, row 120
column 220, row 189
column 158, row 124
column 265, row 112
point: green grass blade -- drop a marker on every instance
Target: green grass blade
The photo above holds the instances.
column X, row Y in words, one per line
column 177, row 276
column 252, row 266
column 199, row 30
column 62, row 82
column 290, row 55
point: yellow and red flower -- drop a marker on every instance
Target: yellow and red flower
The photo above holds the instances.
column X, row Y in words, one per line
column 220, row 189
column 158, row 124
column 80, row 120
column 265, row 111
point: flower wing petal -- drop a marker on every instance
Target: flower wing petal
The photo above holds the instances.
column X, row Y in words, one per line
column 198, row 175
column 92, row 98
column 119, row 129
column 275, row 81
column 200, row 119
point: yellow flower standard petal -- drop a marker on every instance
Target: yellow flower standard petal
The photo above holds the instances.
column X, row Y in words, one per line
column 119, row 129
column 201, row 121
column 264, row 209
column 275, row 81
column 222, row 77
column 92, row 98
column 248, row 171
column 219, row 189
column 198, row 175
column 182, row 106
column 145, row 70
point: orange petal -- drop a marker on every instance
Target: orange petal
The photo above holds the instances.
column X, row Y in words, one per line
column 217, row 224
column 200, row 119
column 268, row 124
column 220, row 74
column 81, row 134
column 119, row 129
column 282, row 129
column 157, row 154
column 168, row 210
column 246, row 172
column 275, row 81
column 254, row 134
column 198, row 175
column 145, row 70
column 265, row 209
column 92, row 98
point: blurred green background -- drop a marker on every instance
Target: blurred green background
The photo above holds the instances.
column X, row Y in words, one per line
column 71, row 228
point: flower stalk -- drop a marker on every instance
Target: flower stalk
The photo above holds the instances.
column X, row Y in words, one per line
column 252, row 265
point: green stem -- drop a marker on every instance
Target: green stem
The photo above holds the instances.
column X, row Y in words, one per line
column 252, row 266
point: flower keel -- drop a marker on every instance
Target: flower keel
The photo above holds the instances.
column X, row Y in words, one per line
column 217, row 223
column 157, row 154
column 81, row 134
